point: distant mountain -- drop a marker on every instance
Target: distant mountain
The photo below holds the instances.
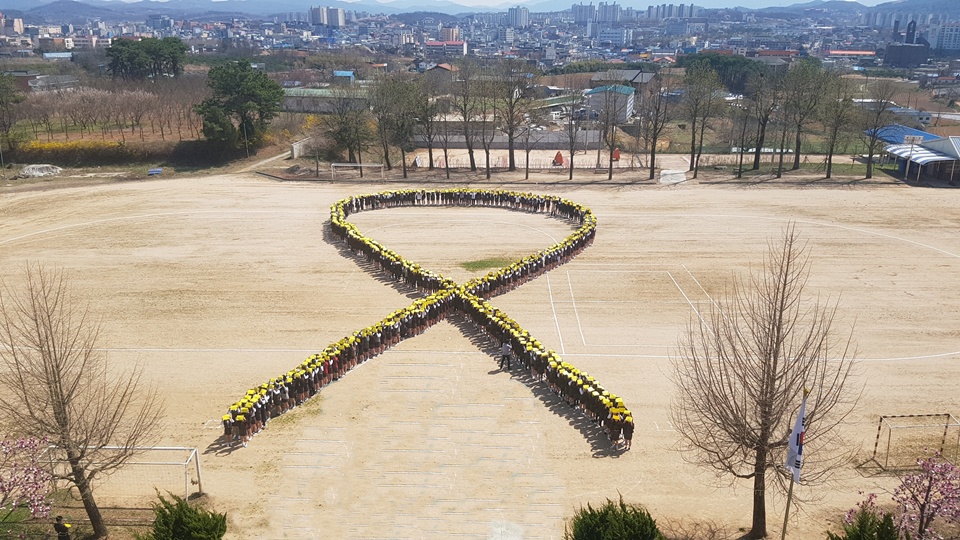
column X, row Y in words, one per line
column 950, row 8
column 123, row 10
column 414, row 17
column 841, row 6
column 75, row 11
column 830, row 5
column 946, row 7
column 443, row 6
column 72, row 11
column 68, row 11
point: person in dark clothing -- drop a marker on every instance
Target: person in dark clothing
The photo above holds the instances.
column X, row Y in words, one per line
column 62, row 529
column 506, row 352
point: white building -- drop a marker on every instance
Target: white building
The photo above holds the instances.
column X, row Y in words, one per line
column 518, row 17
column 618, row 97
column 617, row 37
column 328, row 16
column 946, row 36
column 336, row 17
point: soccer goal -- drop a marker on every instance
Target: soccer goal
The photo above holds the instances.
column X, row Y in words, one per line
column 167, row 469
column 335, row 166
column 902, row 439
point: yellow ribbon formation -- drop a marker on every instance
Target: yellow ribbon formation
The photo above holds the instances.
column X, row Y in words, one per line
column 281, row 393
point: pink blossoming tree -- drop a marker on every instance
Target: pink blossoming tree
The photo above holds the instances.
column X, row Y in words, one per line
column 932, row 493
column 24, row 483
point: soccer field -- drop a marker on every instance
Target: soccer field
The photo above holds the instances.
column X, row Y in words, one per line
column 216, row 284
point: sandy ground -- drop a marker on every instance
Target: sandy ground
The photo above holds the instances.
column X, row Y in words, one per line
column 214, row 284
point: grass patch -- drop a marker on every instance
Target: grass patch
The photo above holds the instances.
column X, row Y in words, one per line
column 310, row 408
column 486, row 264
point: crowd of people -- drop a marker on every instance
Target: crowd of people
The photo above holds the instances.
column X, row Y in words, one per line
column 280, row 394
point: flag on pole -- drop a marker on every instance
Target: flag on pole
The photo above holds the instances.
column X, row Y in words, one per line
column 795, row 452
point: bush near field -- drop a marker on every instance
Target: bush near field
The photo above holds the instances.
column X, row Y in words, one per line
column 86, row 153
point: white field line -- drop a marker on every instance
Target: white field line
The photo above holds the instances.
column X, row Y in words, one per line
column 685, row 297
column 576, row 313
column 556, row 319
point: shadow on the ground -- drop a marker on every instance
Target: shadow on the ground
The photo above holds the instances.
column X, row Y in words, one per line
column 594, row 434
column 369, row 267
column 222, row 446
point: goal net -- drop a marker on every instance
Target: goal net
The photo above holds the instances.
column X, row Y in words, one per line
column 903, row 439
column 165, row 469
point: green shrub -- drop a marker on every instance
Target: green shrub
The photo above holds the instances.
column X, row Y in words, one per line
column 613, row 521
column 868, row 524
column 179, row 520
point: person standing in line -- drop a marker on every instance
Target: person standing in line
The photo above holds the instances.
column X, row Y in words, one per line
column 627, row 432
column 506, row 352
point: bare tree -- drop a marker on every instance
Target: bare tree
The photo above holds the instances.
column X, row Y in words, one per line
column 530, row 134
column 514, row 101
column 876, row 114
column 395, row 104
column 742, row 367
column 446, row 134
column 802, row 97
column 383, row 106
column 766, row 94
column 488, row 118
column 465, row 100
column 654, row 113
column 837, row 113
column 56, row 384
column 319, row 144
column 347, row 122
column 702, row 101
column 615, row 103
column 11, row 110
column 426, row 108
column 576, row 115
column 139, row 103
column 39, row 109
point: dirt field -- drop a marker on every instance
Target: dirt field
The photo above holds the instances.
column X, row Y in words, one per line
column 215, row 284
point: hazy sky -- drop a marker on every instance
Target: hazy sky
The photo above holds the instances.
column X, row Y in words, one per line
column 642, row 4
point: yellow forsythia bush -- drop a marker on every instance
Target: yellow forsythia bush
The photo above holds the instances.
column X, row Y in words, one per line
column 88, row 152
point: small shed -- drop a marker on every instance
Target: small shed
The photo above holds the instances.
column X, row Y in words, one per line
column 344, row 77
column 936, row 159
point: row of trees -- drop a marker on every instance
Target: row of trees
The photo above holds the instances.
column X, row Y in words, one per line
column 475, row 103
column 779, row 108
column 147, row 58
column 167, row 111
column 164, row 108
column 231, row 107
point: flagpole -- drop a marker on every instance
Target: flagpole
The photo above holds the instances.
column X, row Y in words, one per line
column 786, row 512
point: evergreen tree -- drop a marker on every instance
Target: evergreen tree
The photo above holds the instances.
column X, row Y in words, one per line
column 177, row 519
column 244, row 99
column 613, row 521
